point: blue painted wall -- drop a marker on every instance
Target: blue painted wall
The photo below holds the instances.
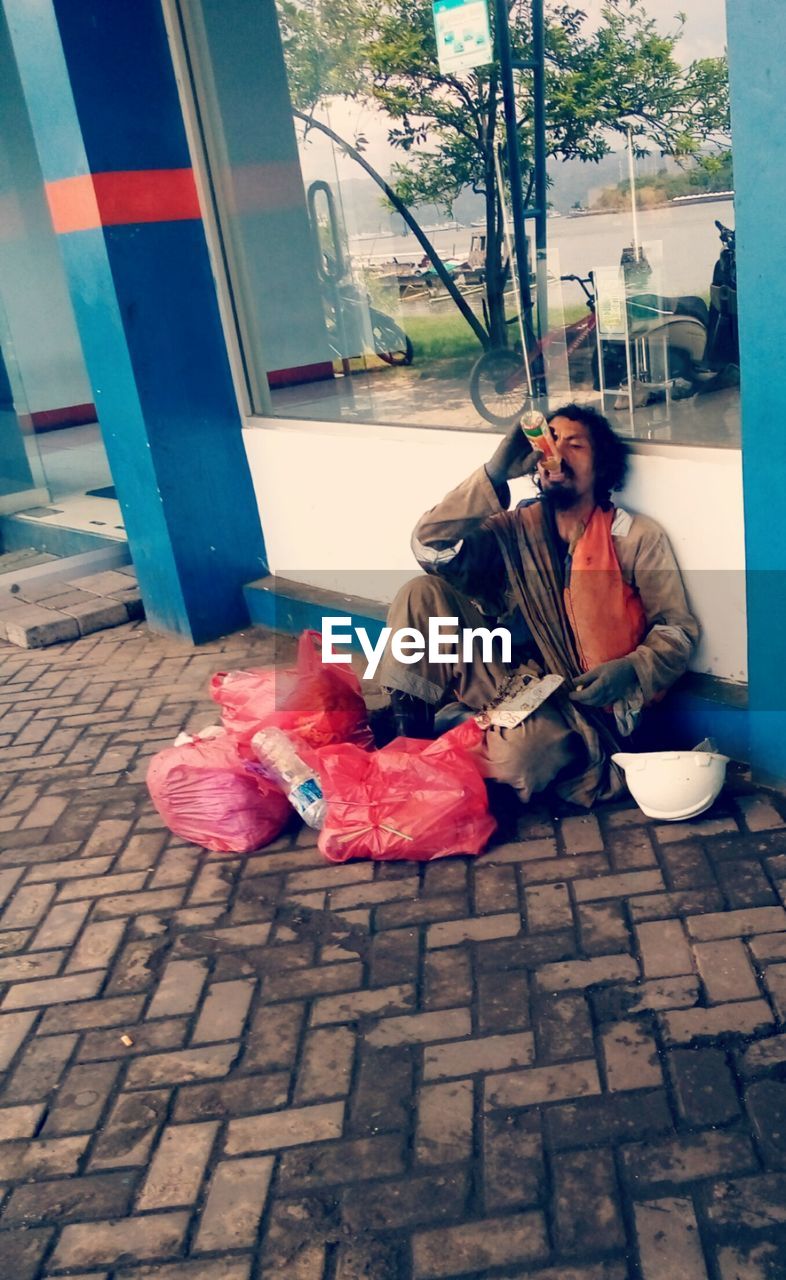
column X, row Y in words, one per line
column 102, row 98
column 758, row 83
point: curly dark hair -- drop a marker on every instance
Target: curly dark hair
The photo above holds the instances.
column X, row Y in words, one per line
column 609, row 453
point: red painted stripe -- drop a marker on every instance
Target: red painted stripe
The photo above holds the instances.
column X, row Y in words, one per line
column 300, row 373
column 72, row 415
column 122, row 198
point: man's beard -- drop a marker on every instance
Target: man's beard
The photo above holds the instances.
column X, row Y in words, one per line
column 561, row 498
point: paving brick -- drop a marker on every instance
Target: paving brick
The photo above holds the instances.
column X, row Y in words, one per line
column 581, row 835
column 630, row 1057
column 96, row 946
column 741, row 1018
column 563, row 1028
column 603, row 928
column 572, row 868
column 631, row 849
column 750, row 1262
column 759, row 814
column 744, row 883
column 383, row 1094
column 618, row 886
column 136, row 904
column 272, row 1039
column 522, row 851
column 474, row 1246
column 236, row 1097
column 610, row 1118
column 326, row 1064
column 279, row 1129
column 664, row 949
column 397, row 915
column 585, row 1200
column 379, row 1003
column 495, row 890
column 44, row 1158
column 356, row 1160
column 94, row 1013
column 205, row 1063
column 39, row 1068
column 175, row 1173
column 688, row 1159
column 303, row 983
column 687, row 902
column 101, row 886
column 144, row 1038
column 22, row 1250
column 447, row 978
column 768, row 946
column 81, row 1098
column 89, row 1244
column 444, row 1123
column 514, row 1175
column 62, row 924
column 236, row 1199
column 29, row 995
column 13, row 1030
column 62, row 1200
column 765, row 1102
column 736, row 924
column 686, row 866
column 434, row 1195
column 542, row 1084
column 726, row 971
column 19, row 1122
column 179, row 989
column 775, row 982
column 502, row 1006
column 743, row 1204
column 547, row 907
column 697, row 827
column 27, row 907
column 760, row 1057
column 452, row 933
column 36, row 964
column 224, row 1012
column 468, row 1057
column 576, row 974
column 127, row 1137
column 668, row 1239
column 703, row 1086
column 420, row 1028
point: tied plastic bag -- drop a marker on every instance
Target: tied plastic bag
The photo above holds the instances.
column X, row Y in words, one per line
column 203, row 791
column 411, row 800
column 321, row 704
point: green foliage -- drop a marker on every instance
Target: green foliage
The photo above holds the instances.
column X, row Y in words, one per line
column 601, row 81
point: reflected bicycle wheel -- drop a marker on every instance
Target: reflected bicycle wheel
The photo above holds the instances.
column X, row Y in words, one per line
column 497, row 385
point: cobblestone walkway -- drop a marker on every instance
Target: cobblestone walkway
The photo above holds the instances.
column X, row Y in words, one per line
column 564, row 1061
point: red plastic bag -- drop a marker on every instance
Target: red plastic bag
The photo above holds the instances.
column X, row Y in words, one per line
column 321, row 704
column 412, row 800
column 204, row 793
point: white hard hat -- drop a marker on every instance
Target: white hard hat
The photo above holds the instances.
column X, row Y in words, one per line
column 673, row 785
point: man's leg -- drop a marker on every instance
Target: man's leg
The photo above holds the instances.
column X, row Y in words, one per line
column 533, row 754
column 418, row 688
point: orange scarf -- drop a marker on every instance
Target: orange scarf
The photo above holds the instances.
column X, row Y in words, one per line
column 605, row 613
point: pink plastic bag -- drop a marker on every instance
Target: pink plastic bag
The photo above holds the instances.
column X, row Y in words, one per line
column 204, row 793
column 321, row 704
column 411, row 800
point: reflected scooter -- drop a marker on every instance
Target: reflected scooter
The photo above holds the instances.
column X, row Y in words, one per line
column 701, row 353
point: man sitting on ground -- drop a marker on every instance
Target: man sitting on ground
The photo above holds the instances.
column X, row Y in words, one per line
column 588, row 591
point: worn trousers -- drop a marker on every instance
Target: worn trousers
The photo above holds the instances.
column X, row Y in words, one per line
column 528, row 757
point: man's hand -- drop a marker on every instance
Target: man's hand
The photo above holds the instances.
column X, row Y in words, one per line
column 513, row 457
column 605, row 684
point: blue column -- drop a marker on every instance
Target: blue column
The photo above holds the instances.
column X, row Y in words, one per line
column 101, row 92
column 758, row 83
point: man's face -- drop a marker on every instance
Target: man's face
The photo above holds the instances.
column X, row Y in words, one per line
column 575, row 478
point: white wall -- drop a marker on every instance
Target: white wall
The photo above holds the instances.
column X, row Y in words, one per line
column 338, row 503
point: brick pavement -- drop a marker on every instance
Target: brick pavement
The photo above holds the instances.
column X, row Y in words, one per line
column 565, row 1060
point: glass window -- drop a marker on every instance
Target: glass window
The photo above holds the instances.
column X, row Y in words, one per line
column 363, row 199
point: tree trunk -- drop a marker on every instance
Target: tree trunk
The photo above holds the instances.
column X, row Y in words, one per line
column 401, row 208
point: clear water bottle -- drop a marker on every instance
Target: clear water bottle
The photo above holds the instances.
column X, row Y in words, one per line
column 280, row 760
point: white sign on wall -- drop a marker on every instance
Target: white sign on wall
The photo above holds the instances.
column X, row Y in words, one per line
column 463, row 34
